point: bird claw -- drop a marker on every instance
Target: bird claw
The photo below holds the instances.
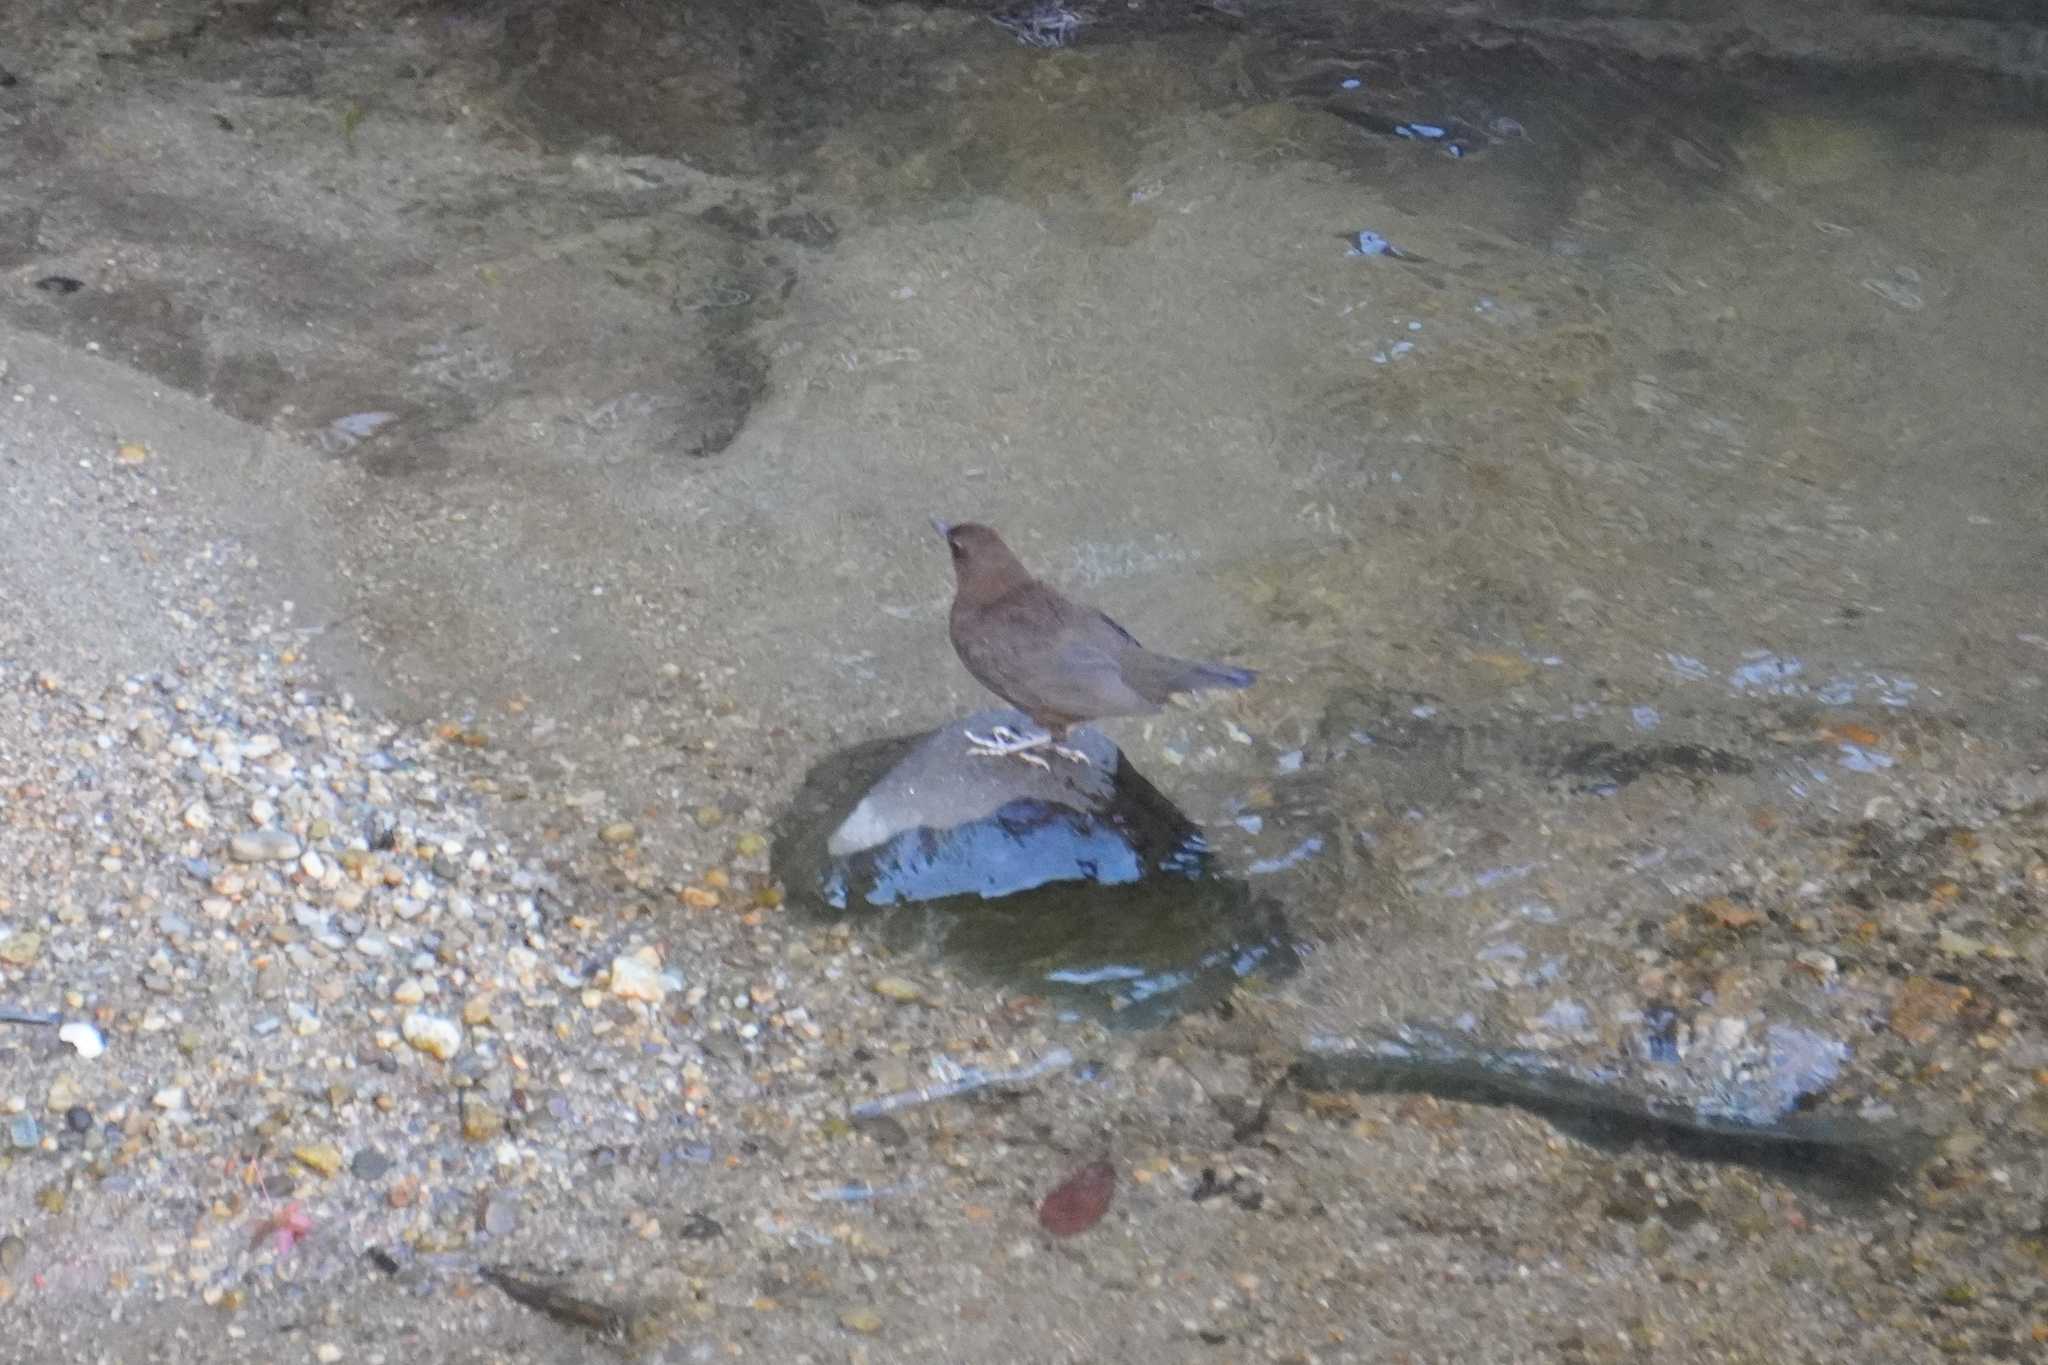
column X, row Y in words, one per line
column 1003, row 742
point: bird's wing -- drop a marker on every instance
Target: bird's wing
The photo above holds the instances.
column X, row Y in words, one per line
column 1088, row 680
column 1104, row 618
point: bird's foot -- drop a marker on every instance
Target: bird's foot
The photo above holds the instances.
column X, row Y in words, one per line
column 1073, row 755
column 1003, row 742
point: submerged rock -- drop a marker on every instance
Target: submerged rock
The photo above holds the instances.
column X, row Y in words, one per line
column 1078, row 881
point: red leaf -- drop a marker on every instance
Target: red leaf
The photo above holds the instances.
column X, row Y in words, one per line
column 1077, row 1203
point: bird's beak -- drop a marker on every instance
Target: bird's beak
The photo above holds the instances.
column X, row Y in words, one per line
column 941, row 527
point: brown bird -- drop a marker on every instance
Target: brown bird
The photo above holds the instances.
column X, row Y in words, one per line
column 1058, row 662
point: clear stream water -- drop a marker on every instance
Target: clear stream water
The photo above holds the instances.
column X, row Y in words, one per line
column 1535, row 426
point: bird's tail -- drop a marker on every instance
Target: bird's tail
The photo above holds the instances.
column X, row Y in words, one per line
column 1194, row 677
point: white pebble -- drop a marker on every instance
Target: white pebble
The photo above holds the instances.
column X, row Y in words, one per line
column 84, row 1039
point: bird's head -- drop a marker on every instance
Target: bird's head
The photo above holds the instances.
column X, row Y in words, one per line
column 982, row 564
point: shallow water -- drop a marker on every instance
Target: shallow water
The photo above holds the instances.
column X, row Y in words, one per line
column 1675, row 482
column 1679, row 452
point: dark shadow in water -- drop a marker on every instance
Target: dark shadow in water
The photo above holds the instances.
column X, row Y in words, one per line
column 1603, row 769
column 1845, row 1155
column 1107, row 900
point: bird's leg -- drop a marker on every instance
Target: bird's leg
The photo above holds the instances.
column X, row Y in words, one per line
column 1003, row 742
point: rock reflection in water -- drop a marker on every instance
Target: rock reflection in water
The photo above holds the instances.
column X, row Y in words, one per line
column 1080, row 882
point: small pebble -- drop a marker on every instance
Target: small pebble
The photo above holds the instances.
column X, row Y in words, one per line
column 369, row 1164
column 480, row 1122
column 637, row 976
column 501, row 1215
column 64, row 1093
column 897, row 989
column 431, row 1034
column 263, row 846
column 323, row 1157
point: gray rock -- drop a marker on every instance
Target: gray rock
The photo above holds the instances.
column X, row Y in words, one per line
column 940, row 785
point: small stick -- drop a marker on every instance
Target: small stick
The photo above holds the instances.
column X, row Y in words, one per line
column 545, row 1299
column 973, row 1078
column 861, row 1193
column 14, row 1014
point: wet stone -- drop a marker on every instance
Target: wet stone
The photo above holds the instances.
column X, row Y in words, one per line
column 1076, row 881
column 78, row 1119
column 369, row 1164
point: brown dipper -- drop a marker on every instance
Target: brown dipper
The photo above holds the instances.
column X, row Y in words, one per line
column 1058, row 662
